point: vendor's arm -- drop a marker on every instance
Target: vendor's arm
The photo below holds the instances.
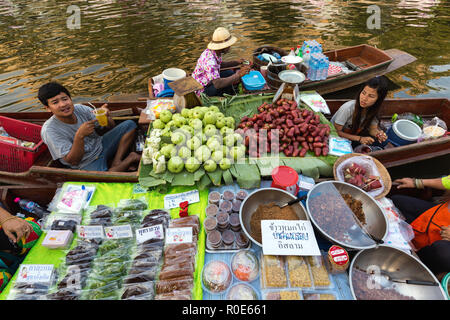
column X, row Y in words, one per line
column 76, row 152
column 228, row 81
column 233, row 63
column 353, row 137
column 437, row 183
column 14, row 227
column 375, row 132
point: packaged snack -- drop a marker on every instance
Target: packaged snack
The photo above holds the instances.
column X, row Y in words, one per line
column 210, row 224
column 316, row 295
column 338, row 259
column 216, row 276
column 214, row 198
column 228, row 195
column 180, row 284
column 319, row 272
column 289, row 295
column 58, row 239
column 299, row 275
column 241, row 195
column 274, row 271
column 245, row 265
column 139, row 291
column 132, row 204
column 211, row 210
column 242, row 240
column 175, row 295
column 176, row 270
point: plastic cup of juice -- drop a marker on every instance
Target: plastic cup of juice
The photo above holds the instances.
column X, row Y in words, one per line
column 102, row 119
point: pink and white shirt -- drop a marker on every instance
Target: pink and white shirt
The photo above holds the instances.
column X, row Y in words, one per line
column 207, row 69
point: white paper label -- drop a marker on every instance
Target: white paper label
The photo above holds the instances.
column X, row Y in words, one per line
column 118, row 232
column 289, row 238
column 178, row 235
column 153, row 232
column 35, row 273
column 339, row 146
column 173, row 200
column 90, row 232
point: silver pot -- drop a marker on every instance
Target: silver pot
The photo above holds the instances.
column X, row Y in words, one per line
column 376, row 222
column 265, row 196
column 387, row 262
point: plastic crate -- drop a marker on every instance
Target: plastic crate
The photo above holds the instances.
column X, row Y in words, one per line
column 15, row 158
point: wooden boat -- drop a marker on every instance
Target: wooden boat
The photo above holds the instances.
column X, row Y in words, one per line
column 48, row 172
column 366, row 61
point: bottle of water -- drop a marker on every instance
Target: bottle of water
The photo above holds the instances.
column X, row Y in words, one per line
column 31, row 207
column 312, row 71
column 297, row 51
column 326, row 66
column 292, row 53
column 307, row 56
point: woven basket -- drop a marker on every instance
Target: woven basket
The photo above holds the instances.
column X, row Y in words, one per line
column 384, row 174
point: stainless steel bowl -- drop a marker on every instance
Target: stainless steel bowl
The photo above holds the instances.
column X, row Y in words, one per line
column 397, row 264
column 265, row 196
column 376, row 222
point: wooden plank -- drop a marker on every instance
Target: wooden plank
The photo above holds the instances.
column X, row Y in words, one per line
column 401, row 59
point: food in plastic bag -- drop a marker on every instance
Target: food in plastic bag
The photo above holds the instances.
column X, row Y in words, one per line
column 319, row 272
column 433, row 129
column 175, row 295
column 175, row 271
column 318, row 296
column 298, row 272
column 127, row 217
column 132, row 204
column 140, row 291
column 274, row 271
column 361, row 174
column 289, row 295
column 186, row 222
column 180, row 249
column 64, row 294
column 167, row 286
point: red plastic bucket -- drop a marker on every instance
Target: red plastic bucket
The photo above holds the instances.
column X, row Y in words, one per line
column 285, row 178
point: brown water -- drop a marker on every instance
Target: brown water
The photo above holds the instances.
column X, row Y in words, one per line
column 120, row 44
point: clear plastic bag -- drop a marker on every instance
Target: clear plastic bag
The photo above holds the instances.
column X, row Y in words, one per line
column 433, row 129
column 61, row 221
column 133, row 204
column 139, row 291
column 175, row 295
column 177, row 270
column 360, row 171
column 180, row 284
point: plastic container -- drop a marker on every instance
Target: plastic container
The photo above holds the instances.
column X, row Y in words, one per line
column 214, row 239
column 225, row 206
column 282, row 294
column 242, row 291
column 446, row 284
column 235, row 222
column 241, row 195
column 56, row 239
column 228, row 195
column 223, row 220
column 242, row 241
column 212, row 210
column 15, row 158
column 172, row 74
column 403, row 132
column 214, row 198
column 253, row 81
column 210, row 224
column 236, row 206
column 285, row 178
column 245, row 265
column 338, row 259
column 216, row 277
column 228, row 238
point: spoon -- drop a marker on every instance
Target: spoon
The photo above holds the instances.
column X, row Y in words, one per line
column 294, row 201
column 384, row 279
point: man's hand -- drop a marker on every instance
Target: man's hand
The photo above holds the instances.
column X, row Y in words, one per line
column 17, row 228
column 445, row 233
column 86, row 129
column 405, row 183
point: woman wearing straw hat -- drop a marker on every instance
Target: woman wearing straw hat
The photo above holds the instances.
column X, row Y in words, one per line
column 208, row 70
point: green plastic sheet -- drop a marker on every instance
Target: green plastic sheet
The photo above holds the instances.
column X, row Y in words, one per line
column 111, row 194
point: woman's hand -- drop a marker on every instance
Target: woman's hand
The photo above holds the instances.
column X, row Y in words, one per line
column 366, row 140
column 381, row 136
column 405, row 183
column 17, row 228
column 445, row 233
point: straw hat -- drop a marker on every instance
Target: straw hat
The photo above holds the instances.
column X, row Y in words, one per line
column 221, row 39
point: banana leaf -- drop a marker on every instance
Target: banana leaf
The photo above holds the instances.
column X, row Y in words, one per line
column 216, row 176
column 183, row 178
column 227, row 177
column 204, row 182
column 247, row 175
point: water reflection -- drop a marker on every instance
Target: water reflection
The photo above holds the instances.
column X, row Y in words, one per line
column 121, row 43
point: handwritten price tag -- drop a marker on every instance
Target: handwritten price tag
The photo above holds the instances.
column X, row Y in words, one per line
column 173, row 200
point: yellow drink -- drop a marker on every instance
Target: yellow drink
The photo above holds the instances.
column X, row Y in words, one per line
column 102, row 119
